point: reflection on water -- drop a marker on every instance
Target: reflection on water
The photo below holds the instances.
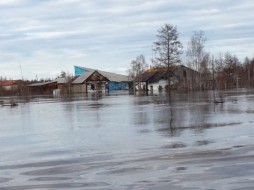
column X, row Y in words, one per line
column 173, row 141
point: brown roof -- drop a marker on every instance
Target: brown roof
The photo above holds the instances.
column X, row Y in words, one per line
column 10, row 82
column 156, row 73
column 161, row 69
column 82, row 78
column 42, row 83
column 145, row 76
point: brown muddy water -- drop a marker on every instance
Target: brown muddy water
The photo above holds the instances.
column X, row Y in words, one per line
column 179, row 142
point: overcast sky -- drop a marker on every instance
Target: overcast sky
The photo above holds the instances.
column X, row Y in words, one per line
column 43, row 37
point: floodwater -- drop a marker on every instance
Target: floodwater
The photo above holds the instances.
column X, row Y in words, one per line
column 181, row 142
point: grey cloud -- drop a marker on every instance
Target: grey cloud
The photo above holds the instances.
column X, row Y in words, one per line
column 109, row 34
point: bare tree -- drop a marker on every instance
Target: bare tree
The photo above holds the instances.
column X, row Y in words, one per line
column 221, row 79
column 197, row 58
column 247, row 68
column 206, row 71
column 63, row 74
column 232, row 66
column 167, row 48
column 219, row 63
column 231, row 61
column 228, row 70
column 138, row 66
column 195, row 51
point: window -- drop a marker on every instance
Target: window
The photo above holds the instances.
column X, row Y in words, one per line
column 184, row 74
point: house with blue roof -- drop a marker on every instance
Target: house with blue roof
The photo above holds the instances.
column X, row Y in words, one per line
column 116, row 81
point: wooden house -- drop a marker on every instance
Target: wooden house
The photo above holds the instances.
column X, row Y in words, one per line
column 116, row 81
column 92, row 81
column 175, row 77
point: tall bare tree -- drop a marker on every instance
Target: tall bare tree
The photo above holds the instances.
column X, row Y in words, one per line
column 232, row 67
column 138, row 66
column 219, row 66
column 228, row 70
column 247, row 67
column 197, row 58
column 167, row 48
column 195, row 51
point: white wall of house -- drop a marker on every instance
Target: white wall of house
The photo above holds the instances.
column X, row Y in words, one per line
column 8, row 88
column 155, row 86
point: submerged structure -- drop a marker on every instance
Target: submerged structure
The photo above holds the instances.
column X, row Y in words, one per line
column 175, row 77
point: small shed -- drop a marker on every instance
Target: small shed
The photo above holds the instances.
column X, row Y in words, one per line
column 43, row 88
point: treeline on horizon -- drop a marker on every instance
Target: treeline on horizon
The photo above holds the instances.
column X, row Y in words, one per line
column 62, row 74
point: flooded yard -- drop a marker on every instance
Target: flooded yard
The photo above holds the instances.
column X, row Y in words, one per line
column 183, row 142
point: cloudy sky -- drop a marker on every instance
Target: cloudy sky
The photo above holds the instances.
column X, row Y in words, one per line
column 43, row 37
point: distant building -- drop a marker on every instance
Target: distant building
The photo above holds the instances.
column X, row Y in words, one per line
column 42, row 88
column 12, row 87
column 116, row 81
